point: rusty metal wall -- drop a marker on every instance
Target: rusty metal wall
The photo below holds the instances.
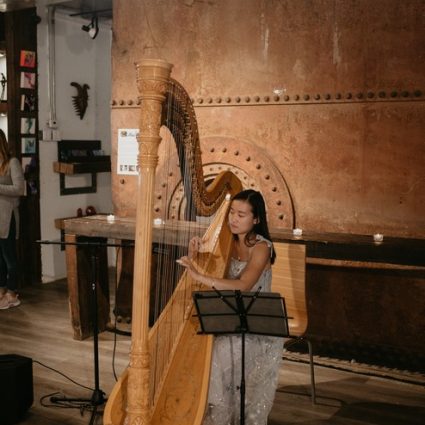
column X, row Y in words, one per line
column 332, row 91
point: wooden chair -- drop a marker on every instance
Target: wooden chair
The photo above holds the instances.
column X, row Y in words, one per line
column 289, row 281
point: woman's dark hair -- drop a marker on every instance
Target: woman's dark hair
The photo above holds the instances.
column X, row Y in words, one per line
column 256, row 201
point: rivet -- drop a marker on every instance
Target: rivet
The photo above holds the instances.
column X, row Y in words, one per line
column 317, row 97
column 405, row 93
column 224, row 150
column 258, row 166
column 220, row 167
column 139, row 102
column 276, row 98
column 370, row 94
column 278, row 202
column 247, row 99
column 218, row 100
column 267, row 177
column 156, row 209
column 257, row 98
column 170, row 174
column 248, row 158
column 236, row 153
column 122, row 181
column 274, row 189
column 327, row 96
column 306, row 97
column 359, row 95
column 393, row 94
column 338, row 96
column 209, row 100
column 286, row 98
column 228, row 99
column 281, row 216
column 237, row 99
column 252, row 184
column 348, row 96
column 159, row 197
column 381, row 94
column 417, row 93
column 173, row 216
column 164, row 185
column 122, row 102
column 245, row 177
column 212, row 150
column 211, row 168
column 114, row 102
column 296, row 97
column 129, row 102
column 266, row 98
column 200, row 100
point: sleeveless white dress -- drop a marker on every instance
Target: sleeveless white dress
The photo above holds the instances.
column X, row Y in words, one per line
column 262, row 360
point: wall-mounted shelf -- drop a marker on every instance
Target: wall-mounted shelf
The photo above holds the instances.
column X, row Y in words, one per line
column 101, row 165
column 80, row 157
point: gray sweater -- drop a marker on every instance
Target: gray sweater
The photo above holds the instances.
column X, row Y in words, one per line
column 11, row 188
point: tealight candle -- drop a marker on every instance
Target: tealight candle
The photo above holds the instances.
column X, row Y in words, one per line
column 297, row 232
column 378, row 237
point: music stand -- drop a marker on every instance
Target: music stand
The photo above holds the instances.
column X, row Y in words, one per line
column 98, row 396
column 236, row 312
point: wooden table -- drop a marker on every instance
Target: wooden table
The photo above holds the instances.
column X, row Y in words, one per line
column 362, row 296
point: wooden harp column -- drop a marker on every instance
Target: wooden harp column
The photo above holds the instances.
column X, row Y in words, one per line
column 152, row 82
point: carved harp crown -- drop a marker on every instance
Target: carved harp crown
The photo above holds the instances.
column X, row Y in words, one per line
column 158, row 388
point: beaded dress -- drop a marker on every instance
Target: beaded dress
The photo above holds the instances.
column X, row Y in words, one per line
column 262, row 360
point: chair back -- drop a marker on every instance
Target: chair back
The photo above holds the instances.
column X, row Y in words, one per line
column 289, row 281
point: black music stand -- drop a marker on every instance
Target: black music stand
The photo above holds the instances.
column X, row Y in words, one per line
column 236, row 312
column 98, row 396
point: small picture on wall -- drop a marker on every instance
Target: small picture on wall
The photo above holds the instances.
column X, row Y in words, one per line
column 28, row 102
column 27, row 80
column 26, row 160
column 28, row 125
column 28, row 145
column 27, row 59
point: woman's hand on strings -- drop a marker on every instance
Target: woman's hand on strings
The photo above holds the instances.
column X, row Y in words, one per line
column 194, row 246
column 186, row 262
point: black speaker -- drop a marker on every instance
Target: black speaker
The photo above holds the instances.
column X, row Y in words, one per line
column 16, row 388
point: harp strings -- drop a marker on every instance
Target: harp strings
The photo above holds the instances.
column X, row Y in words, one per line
column 170, row 304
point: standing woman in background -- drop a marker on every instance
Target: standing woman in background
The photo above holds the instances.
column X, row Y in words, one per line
column 11, row 188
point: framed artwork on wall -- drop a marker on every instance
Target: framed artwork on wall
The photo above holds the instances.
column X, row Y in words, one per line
column 28, row 125
column 27, row 59
column 28, row 145
column 27, row 80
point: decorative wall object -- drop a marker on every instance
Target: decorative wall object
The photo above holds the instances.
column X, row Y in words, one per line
column 80, row 101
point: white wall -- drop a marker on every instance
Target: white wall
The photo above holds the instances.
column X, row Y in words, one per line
column 83, row 60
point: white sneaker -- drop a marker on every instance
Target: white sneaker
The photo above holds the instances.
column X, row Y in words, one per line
column 13, row 301
column 4, row 303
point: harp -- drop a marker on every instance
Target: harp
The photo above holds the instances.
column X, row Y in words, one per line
column 166, row 381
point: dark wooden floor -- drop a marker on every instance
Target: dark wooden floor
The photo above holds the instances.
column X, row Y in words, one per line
column 40, row 329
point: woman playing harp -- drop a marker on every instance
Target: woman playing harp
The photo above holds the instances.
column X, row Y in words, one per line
column 167, row 378
column 250, row 270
